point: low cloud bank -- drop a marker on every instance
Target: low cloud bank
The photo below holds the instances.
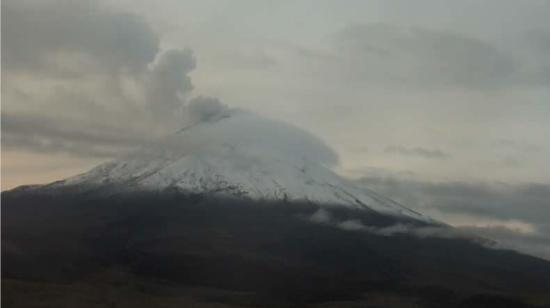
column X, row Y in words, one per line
column 513, row 215
column 323, row 216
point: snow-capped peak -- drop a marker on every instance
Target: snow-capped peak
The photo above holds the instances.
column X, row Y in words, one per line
column 244, row 155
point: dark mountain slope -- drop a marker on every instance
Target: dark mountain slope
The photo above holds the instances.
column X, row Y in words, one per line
column 270, row 250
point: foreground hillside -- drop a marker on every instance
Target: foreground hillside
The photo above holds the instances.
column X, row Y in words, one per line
column 169, row 249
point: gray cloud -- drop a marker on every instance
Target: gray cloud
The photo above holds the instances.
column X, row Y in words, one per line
column 201, row 109
column 529, row 202
column 535, row 49
column 42, row 134
column 535, row 244
column 518, row 145
column 498, row 211
column 49, row 145
column 248, row 59
column 168, row 83
column 386, row 53
column 321, row 216
column 539, row 41
column 104, row 85
column 324, row 217
column 416, row 151
column 38, row 35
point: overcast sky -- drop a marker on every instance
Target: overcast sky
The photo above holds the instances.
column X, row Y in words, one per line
column 444, row 105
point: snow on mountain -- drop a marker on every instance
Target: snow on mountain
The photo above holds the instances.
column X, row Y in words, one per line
column 238, row 153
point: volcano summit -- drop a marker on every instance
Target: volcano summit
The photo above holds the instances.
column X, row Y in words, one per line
column 240, row 154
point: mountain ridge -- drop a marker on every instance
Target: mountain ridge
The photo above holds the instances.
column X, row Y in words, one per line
column 218, row 157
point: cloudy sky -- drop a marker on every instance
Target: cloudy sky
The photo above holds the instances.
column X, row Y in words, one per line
column 443, row 105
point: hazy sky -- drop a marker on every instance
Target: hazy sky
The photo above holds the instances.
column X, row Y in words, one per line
column 444, row 105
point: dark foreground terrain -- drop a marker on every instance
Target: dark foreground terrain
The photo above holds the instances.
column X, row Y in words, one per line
column 91, row 249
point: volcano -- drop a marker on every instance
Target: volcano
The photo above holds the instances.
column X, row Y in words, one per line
column 221, row 157
column 238, row 210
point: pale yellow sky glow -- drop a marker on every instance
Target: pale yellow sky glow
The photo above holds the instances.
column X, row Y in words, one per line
column 24, row 168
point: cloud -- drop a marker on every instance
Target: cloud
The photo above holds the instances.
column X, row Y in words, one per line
column 428, row 232
column 351, row 225
column 323, row 216
column 416, row 151
column 93, row 101
column 85, row 79
column 529, row 202
column 521, row 201
column 204, row 109
column 384, row 53
column 537, row 45
column 518, row 145
column 168, row 84
column 43, row 134
column 537, row 244
column 248, row 58
column 244, row 138
column 38, row 36
column 495, row 210
column 539, row 41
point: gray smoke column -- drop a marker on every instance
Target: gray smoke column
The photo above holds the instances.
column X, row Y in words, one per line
column 204, row 109
column 114, row 87
column 168, row 84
